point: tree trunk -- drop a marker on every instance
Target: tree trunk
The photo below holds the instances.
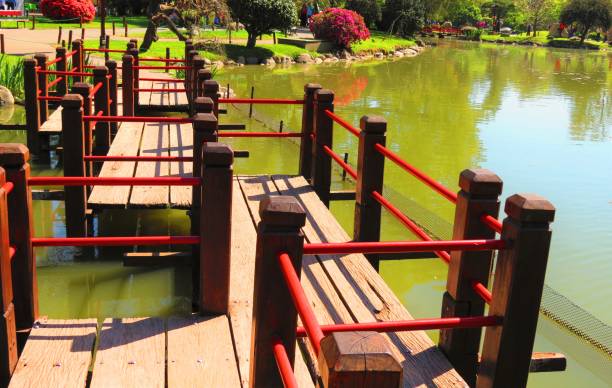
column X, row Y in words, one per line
column 584, row 34
column 252, row 40
column 151, row 33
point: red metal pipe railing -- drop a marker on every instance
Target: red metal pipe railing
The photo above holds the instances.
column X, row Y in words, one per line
column 12, row 251
column 104, row 50
column 420, row 175
column 125, row 158
column 168, row 60
column 54, row 82
column 260, row 134
column 412, row 325
column 163, row 80
column 342, row 122
column 113, row 241
column 492, row 222
column 139, row 119
column 163, row 67
column 284, row 365
column 401, row 217
column 95, row 89
column 68, row 55
column 341, row 162
column 160, row 90
column 312, row 327
column 482, row 291
column 271, row 101
column 114, row 181
column 54, row 61
column 8, row 187
column 402, row 246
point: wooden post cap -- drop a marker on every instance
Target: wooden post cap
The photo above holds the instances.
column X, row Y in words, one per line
column 127, row 58
column 80, row 88
column 530, row 208
column 100, row 71
column 198, row 61
column 324, row 95
column 373, row 124
column 311, row 88
column 131, row 45
column 211, row 86
column 358, row 358
column 282, row 210
column 40, row 57
column 188, row 41
column 60, row 50
column 204, row 105
column 29, row 62
column 111, row 64
column 205, row 122
column 480, row 181
column 204, row 74
column 13, row 154
column 72, row 101
column 217, row 154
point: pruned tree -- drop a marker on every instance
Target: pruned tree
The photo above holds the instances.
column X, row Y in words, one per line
column 262, row 16
column 587, row 14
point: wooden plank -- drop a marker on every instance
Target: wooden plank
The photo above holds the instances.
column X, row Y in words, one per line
column 126, row 143
column 131, row 353
column 181, row 144
column 57, row 354
column 53, row 123
column 367, row 295
column 135, row 259
column 154, row 143
column 201, row 353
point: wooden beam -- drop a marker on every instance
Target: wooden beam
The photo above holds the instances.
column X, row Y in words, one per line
column 342, row 195
column 227, row 127
column 48, row 195
column 547, row 362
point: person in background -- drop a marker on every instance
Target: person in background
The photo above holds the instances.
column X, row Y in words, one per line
column 303, row 15
column 2, row 4
column 309, row 13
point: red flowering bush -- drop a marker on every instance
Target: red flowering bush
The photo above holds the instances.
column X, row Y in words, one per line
column 68, row 9
column 338, row 25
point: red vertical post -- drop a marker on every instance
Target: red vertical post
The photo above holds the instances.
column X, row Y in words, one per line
column 127, row 88
column 216, row 227
column 74, row 165
column 43, row 105
column 274, row 313
column 370, row 173
column 479, row 194
column 323, row 132
column 14, row 159
column 517, row 292
column 101, row 104
column 30, row 88
column 307, row 130
column 62, row 86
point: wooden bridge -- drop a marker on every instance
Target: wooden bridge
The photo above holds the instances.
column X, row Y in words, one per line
column 283, row 295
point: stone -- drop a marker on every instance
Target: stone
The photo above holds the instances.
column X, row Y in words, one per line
column 207, row 61
column 277, row 59
column 379, row 55
column 252, row 61
column 344, row 54
column 219, row 64
column 420, row 43
column 330, row 60
column 304, row 58
column 6, row 97
column 241, row 60
column 398, row 54
column 269, row 62
column 318, row 61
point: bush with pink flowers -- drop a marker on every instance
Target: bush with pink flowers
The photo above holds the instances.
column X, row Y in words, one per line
column 68, row 9
column 340, row 26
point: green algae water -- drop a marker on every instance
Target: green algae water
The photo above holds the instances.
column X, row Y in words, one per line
column 541, row 119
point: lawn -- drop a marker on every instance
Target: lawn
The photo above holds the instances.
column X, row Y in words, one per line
column 542, row 39
column 380, row 41
column 43, row 23
column 220, row 34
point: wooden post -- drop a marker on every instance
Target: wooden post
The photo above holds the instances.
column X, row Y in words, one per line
column 188, row 48
column 517, row 292
column 203, row 76
column 135, row 78
column 101, row 103
column 74, row 151
column 216, row 227
column 114, row 30
column 77, row 59
column 82, row 34
column 33, row 22
column 480, row 190
column 43, row 105
column 2, row 49
column 168, row 58
column 134, row 41
column 323, row 132
column 8, row 332
column 102, row 5
column 274, row 314
column 14, row 159
column 83, row 89
column 358, row 359
column 62, row 86
column 192, row 75
column 211, row 90
column 81, row 22
column 307, row 130
column 370, row 173
column 112, row 92
column 107, row 45
column 125, row 27
column 198, row 64
column 30, row 83
column 251, row 105
column 127, row 79
column 69, row 37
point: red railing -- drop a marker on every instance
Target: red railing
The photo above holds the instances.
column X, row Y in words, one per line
column 269, row 101
column 345, row 166
column 113, row 241
column 343, row 123
column 259, row 134
column 347, row 248
column 283, row 363
column 114, row 181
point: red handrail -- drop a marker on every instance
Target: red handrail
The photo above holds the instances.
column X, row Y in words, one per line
column 411, row 325
column 95, row 89
column 482, row 291
column 284, row 365
column 114, row 181
column 160, row 90
column 49, row 98
column 113, row 241
column 104, row 50
column 126, row 158
column 260, row 134
column 163, row 67
column 163, row 80
column 170, row 60
column 342, row 122
column 492, row 222
column 138, row 119
column 54, row 61
column 402, row 246
column 54, row 82
column 271, row 101
column 315, row 335
column 12, row 251
column 341, row 162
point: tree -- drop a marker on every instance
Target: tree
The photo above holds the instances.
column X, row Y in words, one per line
column 369, row 9
column 262, row 16
column 538, row 12
column 464, row 12
column 587, row 14
column 403, row 17
column 497, row 9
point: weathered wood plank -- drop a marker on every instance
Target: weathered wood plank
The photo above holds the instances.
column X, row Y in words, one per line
column 154, row 143
column 126, row 143
column 53, row 123
column 367, row 295
column 201, row 353
column 57, row 354
column 131, row 353
column 181, row 144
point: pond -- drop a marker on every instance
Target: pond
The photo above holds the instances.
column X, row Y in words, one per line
column 541, row 119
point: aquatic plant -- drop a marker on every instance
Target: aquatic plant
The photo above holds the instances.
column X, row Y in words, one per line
column 11, row 76
column 341, row 26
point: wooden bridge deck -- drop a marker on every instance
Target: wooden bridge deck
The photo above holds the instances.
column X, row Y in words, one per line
column 215, row 351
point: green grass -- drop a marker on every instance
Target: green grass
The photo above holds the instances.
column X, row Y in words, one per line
column 219, row 34
column 380, row 41
column 542, row 39
column 43, row 23
column 157, row 50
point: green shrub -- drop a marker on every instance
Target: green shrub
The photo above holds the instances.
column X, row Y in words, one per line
column 11, row 75
column 369, row 9
column 262, row 16
column 403, row 17
column 464, row 12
